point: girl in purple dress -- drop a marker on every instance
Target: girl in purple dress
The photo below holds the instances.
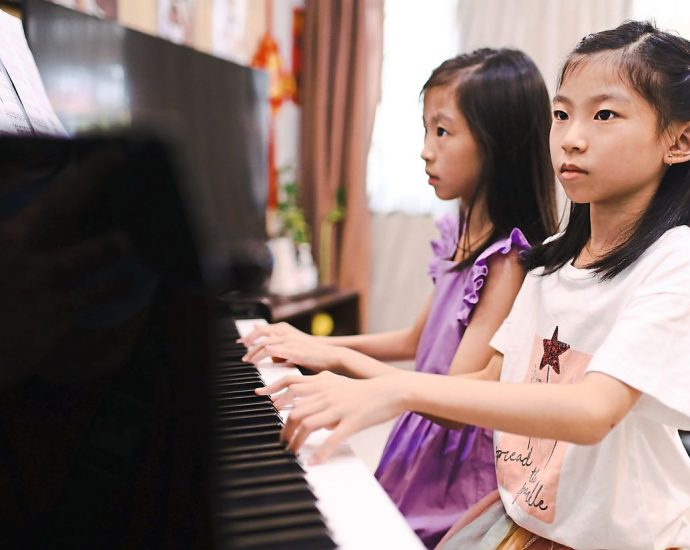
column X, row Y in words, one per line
column 486, row 121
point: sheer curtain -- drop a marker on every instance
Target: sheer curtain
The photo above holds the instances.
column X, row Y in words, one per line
column 669, row 15
column 544, row 29
column 417, row 36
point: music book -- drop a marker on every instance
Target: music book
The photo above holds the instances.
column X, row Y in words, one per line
column 24, row 105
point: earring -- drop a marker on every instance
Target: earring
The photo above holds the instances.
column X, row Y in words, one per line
column 670, row 159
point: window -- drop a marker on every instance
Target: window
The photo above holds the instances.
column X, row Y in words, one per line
column 417, row 37
column 669, row 15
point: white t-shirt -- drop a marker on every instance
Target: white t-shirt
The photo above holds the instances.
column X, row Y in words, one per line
column 632, row 490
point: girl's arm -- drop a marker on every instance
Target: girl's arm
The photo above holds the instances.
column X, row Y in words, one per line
column 491, row 373
column 385, row 346
column 364, row 354
column 582, row 413
column 501, row 286
column 396, row 345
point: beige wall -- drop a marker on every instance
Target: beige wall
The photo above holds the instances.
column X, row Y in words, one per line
column 138, row 14
column 142, row 16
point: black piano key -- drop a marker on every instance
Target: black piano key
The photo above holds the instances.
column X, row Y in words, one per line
column 250, row 428
column 251, row 448
column 242, row 386
column 249, row 439
column 245, row 408
column 247, row 397
column 266, row 500
column 237, row 376
column 283, row 464
column 245, row 390
column 231, row 349
column 257, row 480
column 234, row 364
column 225, row 458
column 229, row 422
column 299, row 519
column 236, row 511
column 314, row 538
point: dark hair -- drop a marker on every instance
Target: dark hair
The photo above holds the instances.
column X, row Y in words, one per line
column 502, row 95
column 656, row 65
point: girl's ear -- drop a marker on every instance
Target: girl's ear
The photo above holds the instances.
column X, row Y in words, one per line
column 679, row 152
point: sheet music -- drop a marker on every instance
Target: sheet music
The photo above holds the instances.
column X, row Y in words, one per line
column 24, row 104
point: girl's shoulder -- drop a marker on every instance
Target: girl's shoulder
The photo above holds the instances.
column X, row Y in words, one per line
column 669, row 257
column 515, row 242
column 445, row 245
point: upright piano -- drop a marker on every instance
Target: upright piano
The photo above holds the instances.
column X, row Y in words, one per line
column 127, row 418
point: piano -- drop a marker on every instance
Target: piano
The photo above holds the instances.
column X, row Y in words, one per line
column 127, row 419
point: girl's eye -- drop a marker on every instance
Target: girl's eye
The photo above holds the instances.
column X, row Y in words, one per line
column 440, row 132
column 604, row 114
column 560, row 115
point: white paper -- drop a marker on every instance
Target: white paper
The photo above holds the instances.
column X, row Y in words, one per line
column 23, row 99
column 229, row 30
column 176, row 20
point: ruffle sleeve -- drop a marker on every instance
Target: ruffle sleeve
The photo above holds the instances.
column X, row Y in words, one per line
column 444, row 247
column 479, row 271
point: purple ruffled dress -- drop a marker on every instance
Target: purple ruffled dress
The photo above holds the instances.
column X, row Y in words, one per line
column 432, row 473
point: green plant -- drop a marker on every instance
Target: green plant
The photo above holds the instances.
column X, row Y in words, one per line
column 291, row 215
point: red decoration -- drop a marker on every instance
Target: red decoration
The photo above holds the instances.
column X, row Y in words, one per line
column 552, row 349
column 281, row 86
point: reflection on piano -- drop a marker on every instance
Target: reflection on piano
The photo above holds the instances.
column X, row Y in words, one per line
column 111, row 346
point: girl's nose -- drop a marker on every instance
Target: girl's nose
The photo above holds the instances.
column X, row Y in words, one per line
column 574, row 139
column 426, row 154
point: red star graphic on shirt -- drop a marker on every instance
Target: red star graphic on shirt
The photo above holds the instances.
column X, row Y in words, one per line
column 552, row 349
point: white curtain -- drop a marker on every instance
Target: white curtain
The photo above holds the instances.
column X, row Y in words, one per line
column 546, row 30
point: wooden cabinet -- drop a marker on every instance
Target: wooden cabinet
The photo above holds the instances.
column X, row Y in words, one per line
column 326, row 311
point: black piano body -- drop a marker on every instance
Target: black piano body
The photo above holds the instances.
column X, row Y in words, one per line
column 127, row 419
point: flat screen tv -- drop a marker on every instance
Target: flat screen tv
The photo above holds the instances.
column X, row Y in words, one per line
column 100, row 75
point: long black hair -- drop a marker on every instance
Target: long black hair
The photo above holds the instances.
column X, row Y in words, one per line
column 502, row 95
column 657, row 65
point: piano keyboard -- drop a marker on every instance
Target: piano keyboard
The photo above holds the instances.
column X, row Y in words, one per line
column 268, row 497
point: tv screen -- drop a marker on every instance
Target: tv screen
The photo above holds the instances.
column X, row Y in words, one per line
column 100, row 75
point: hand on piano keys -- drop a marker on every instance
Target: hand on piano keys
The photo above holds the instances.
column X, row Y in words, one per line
column 314, row 356
column 344, row 405
column 357, row 510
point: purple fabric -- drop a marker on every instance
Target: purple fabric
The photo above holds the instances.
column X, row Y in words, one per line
column 433, row 474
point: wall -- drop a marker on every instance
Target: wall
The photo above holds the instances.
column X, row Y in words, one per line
column 142, row 15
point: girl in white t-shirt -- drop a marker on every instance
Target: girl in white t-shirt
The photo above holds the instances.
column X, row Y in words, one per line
column 594, row 358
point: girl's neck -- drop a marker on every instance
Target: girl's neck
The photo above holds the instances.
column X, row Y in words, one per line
column 476, row 232
column 610, row 225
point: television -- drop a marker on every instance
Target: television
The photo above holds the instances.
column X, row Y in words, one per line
column 100, row 76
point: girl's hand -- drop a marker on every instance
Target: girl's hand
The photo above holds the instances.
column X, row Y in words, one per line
column 277, row 329
column 300, row 350
column 341, row 404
